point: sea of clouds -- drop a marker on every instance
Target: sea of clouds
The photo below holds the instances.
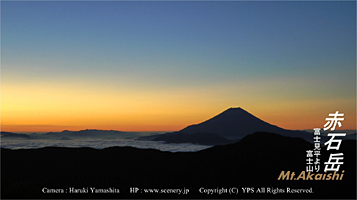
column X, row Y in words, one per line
column 101, row 144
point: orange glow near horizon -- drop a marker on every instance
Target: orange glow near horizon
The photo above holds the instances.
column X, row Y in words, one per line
column 300, row 119
column 58, row 107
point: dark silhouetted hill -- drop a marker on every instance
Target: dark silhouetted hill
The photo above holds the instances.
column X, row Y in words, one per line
column 14, row 135
column 350, row 136
column 88, row 133
column 255, row 161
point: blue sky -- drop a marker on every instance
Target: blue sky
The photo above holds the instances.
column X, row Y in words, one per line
column 278, row 51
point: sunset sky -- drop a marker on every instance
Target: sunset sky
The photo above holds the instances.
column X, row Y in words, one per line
column 160, row 66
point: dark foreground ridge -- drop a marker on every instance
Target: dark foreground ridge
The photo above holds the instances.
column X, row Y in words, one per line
column 256, row 161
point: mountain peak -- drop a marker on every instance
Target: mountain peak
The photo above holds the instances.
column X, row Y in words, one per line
column 233, row 123
column 234, row 114
column 235, row 109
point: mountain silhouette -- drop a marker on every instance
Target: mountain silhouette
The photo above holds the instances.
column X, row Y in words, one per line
column 236, row 123
column 68, row 135
column 90, row 133
column 227, row 127
column 11, row 135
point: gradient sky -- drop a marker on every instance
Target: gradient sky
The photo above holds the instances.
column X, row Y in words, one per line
column 155, row 66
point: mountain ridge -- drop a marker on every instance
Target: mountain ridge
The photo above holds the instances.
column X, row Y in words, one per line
column 232, row 124
column 231, row 121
